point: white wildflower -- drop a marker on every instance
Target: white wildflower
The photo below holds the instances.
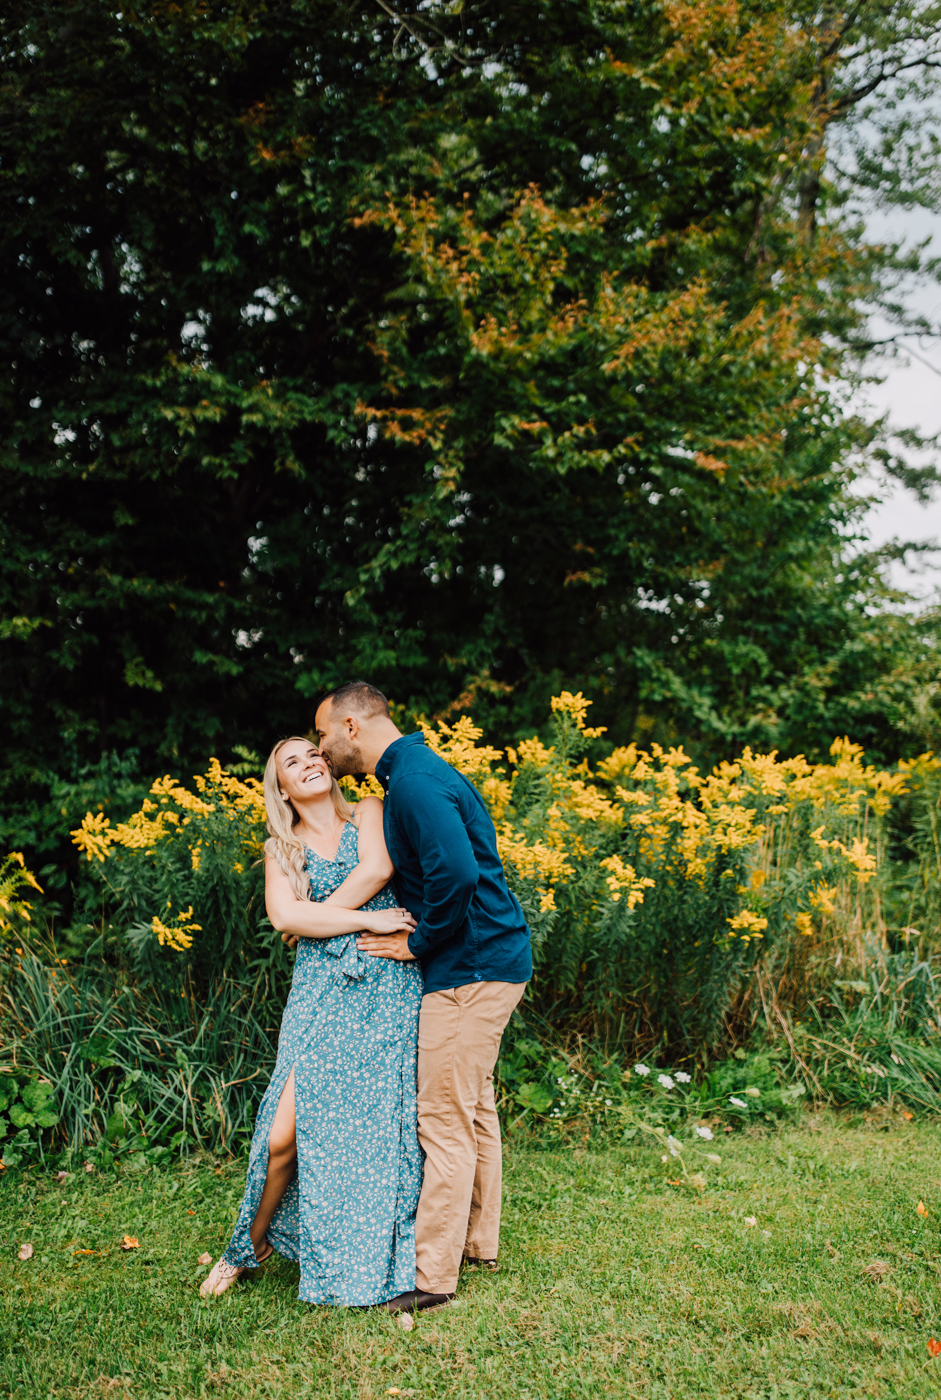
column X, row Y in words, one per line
column 607, row 1103
column 682, row 1077
column 641, row 1070
column 675, row 1146
column 665, row 1080
column 739, row 1103
column 705, row 1133
column 664, row 1158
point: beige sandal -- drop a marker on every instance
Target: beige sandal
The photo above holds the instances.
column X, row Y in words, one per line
column 222, row 1275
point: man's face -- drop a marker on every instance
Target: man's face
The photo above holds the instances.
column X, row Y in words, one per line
column 336, row 737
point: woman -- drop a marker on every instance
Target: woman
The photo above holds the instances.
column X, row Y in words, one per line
column 335, row 1167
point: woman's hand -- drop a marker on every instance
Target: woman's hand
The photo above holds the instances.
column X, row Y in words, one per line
column 377, row 923
column 386, row 921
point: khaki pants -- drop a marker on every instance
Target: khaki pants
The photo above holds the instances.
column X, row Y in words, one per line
column 459, row 1034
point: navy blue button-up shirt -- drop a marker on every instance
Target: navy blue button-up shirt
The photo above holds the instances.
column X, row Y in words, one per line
column 449, row 875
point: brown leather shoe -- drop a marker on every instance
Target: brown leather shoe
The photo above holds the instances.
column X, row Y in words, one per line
column 416, row 1301
column 490, row 1265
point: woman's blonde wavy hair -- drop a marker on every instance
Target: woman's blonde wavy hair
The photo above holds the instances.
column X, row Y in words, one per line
column 285, row 847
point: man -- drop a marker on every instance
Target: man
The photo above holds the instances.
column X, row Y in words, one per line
column 473, row 944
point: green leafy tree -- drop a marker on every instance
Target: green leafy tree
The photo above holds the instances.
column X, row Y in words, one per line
column 473, row 349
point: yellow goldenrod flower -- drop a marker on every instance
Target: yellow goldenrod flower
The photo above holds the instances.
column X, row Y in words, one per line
column 748, row 925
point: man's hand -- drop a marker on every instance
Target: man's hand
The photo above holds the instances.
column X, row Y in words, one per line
column 291, row 939
column 386, row 945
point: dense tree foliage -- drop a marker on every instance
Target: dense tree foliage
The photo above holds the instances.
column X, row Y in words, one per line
column 478, row 349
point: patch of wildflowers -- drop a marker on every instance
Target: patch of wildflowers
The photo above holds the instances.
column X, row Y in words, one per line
column 14, row 876
column 180, row 938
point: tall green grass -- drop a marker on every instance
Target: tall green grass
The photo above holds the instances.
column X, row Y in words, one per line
column 142, row 1068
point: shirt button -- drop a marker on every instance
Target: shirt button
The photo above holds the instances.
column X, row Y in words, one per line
column 476, row 976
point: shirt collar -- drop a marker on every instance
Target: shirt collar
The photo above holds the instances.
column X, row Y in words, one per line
column 393, row 754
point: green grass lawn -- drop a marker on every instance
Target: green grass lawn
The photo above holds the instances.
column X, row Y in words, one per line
column 614, row 1282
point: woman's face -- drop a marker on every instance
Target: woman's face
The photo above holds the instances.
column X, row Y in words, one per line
column 302, row 773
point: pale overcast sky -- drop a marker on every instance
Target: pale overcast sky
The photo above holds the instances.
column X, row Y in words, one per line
column 911, row 395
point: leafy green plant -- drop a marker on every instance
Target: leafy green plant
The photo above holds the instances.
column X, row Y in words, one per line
column 184, row 881
column 570, row 1092
column 27, row 1111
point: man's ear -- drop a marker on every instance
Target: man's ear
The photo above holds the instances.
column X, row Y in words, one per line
column 352, row 726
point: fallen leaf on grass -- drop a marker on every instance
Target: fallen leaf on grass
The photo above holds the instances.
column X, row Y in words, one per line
column 934, row 1348
column 922, row 1208
column 907, row 1116
column 751, row 1221
column 84, row 1251
column 89, row 1167
column 191, row 1212
column 877, row 1269
column 833, row 1253
column 129, row 1242
column 62, row 1176
column 204, row 1259
column 406, row 1322
column 394, row 1391
column 25, row 1251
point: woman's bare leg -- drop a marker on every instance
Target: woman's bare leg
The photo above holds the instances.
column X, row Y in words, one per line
column 282, row 1160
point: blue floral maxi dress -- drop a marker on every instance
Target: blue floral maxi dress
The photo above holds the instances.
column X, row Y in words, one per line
column 350, row 1032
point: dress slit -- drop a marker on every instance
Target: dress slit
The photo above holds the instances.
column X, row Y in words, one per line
column 284, row 1088
column 350, row 1033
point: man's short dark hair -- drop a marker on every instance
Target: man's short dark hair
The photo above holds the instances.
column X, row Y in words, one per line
column 360, row 698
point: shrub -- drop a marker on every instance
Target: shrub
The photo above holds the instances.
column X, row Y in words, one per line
column 185, row 881
column 653, row 892
column 915, row 892
column 663, row 902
